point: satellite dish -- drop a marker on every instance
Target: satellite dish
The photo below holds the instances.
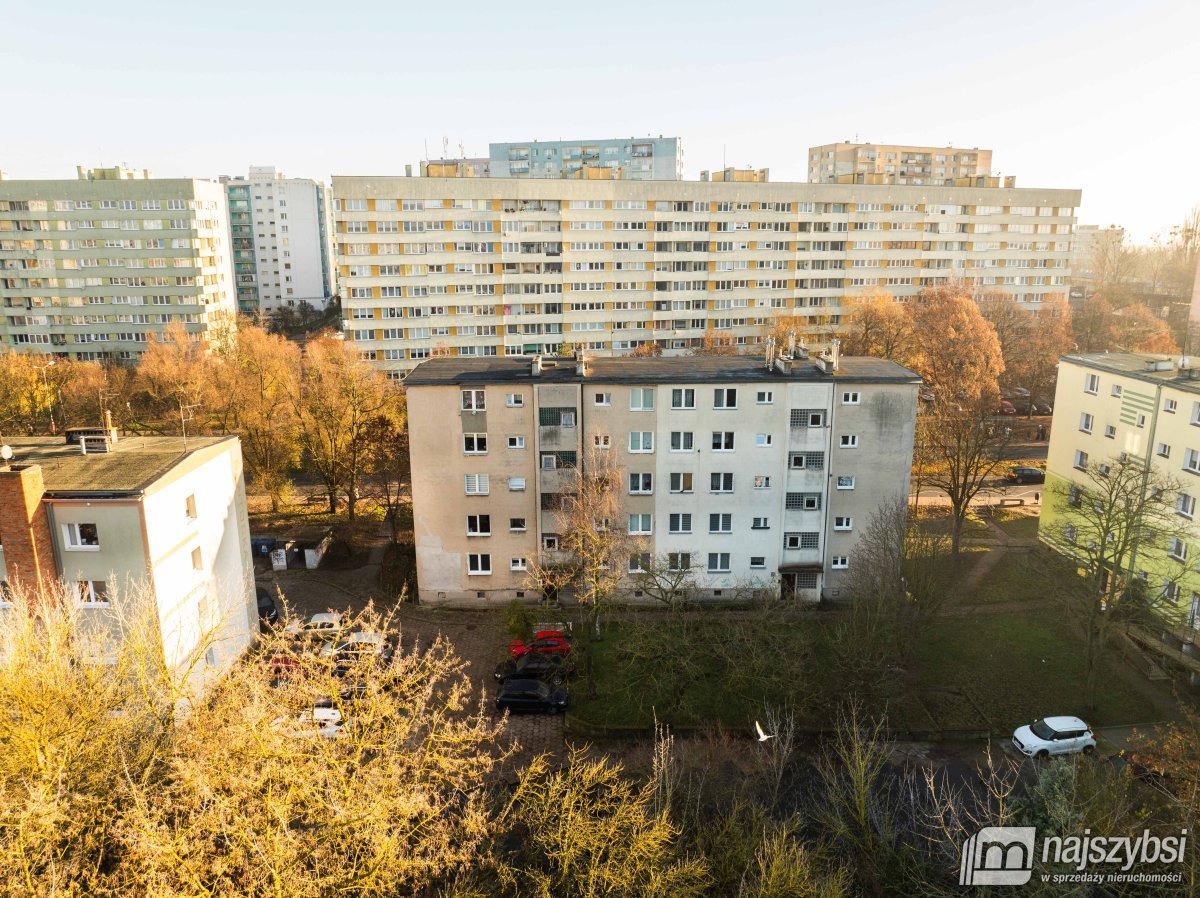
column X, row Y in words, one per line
column 6, row 452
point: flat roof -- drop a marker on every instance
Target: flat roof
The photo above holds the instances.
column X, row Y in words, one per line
column 1175, row 371
column 636, row 370
column 132, row 465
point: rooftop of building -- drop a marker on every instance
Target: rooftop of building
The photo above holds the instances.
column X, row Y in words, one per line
column 1176, row 371
column 131, row 465
column 632, row 370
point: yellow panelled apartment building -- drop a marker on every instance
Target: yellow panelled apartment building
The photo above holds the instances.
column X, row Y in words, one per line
column 495, row 266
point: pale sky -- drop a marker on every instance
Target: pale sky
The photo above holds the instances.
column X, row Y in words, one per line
column 1099, row 95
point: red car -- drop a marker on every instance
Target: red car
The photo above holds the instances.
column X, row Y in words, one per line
column 1006, row 408
column 544, row 642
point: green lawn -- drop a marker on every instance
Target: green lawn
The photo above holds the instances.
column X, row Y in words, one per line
column 937, row 519
column 1017, row 667
column 1019, row 524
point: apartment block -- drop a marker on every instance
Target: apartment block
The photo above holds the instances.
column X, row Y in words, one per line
column 97, row 267
column 894, row 163
column 1092, row 245
column 282, row 240
column 158, row 514
column 755, row 473
column 503, row 266
column 648, row 158
column 1143, row 408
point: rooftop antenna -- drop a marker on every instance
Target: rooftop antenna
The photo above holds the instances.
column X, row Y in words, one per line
column 185, row 415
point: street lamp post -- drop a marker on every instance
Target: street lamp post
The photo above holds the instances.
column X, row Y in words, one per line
column 46, row 385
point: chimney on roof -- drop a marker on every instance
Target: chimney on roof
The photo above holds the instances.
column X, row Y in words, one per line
column 581, row 363
column 536, row 366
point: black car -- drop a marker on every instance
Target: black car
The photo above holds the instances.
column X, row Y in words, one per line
column 1027, row 475
column 552, row 668
column 267, row 612
column 519, row 695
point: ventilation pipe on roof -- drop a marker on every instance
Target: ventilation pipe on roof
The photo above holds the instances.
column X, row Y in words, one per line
column 536, row 366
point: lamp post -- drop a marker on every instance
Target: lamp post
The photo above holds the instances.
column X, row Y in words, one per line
column 46, row 385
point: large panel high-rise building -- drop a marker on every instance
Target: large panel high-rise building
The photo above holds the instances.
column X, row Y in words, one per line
column 647, row 158
column 282, row 246
column 500, row 266
column 96, row 267
column 869, row 163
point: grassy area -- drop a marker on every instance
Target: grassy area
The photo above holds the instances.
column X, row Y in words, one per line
column 1017, row 522
column 938, row 519
column 1021, row 576
column 1015, row 668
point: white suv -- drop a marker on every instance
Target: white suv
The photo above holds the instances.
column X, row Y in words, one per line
column 1054, row 736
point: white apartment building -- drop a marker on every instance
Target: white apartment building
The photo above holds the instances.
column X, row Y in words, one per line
column 96, row 267
column 754, row 477
column 648, row 158
column 848, row 162
column 498, row 266
column 282, row 240
column 155, row 514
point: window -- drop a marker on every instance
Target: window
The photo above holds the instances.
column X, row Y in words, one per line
column 641, row 399
column 477, row 484
column 93, row 592
column 1141, row 421
column 721, row 482
column 1170, row 405
column 640, row 523
column 807, row 417
column 764, row 397
column 718, row 562
column 639, row 562
column 681, row 481
column 515, row 484
column 1070, row 533
column 849, row 441
column 1081, row 459
column 758, row 561
column 516, row 524
column 479, row 525
column 479, row 565
column 720, row 523
column 550, row 542
column 602, row 440
column 1110, row 431
column 1116, row 389
column 81, row 537
column 641, row 484
column 1191, row 461
column 760, row 524
column 603, row 399
column 475, row 443
column 762, row 481
column 681, row 441
column 803, row 501
column 1085, row 422
column 517, row 564
column 763, row 440
column 516, row 442
column 514, row 400
column 641, row 441
column 1091, row 384
column 725, row 397
column 679, row 561
column 1178, row 549
column 1164, row 450
column 840, row 562
column 850, row 398
column 1196, row 413
column 801, row 540
column 679, row 523
column 1185, row 505
column 840, row 523
column 683, row 398
column 722, row 441
column 472, row 401
column 845, row 482
column 189, row 505
column 197, row 559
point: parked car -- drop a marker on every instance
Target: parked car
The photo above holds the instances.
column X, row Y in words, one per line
column 1005, row 408
column 545, row 642
column 553, row 668
column 267, row 612
column 518, row 695
column 318, row 627
column 323, row 722
column 1054, row 736
column 1023, row 474
column 355, row 647
column 283, row 666
column 1041, row 407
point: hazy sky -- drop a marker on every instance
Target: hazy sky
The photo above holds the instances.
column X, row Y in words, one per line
column 1101, row 95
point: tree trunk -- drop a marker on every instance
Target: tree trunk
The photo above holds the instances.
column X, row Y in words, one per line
column 956, row 528
column 332, row 501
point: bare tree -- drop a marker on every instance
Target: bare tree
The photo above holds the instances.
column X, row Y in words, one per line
column 669, row 578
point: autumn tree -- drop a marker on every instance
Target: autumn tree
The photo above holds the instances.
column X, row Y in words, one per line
column 954, row 348
column 1115, row 519
column 338, row 398
column 1049, row 337
column 1094, row 325
column 256, row 376
column 26, row 396
column 647, row 349
column 1137, row 329
column 388, row 470
column 876, row 325
column 715, row 342
column 173, row 382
